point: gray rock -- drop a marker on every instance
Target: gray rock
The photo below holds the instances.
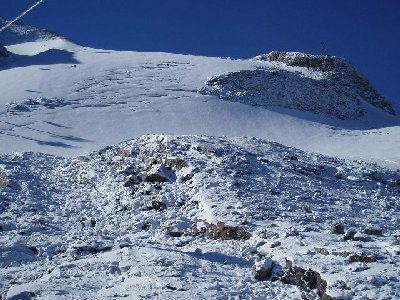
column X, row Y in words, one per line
column 337, row 228
column 373, row 231
column 221, row 231
column 159, row 174
column 350, row 233
column 308, row 280
column 262, row 270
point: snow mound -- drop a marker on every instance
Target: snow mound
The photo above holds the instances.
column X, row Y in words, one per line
column 233, row 212
column 324, row 85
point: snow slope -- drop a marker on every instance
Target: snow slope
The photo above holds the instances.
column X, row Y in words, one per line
column 52, row 89
column 205, row 199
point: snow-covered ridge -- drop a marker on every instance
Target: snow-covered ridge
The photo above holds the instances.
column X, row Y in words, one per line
column 324, row 85
column 21, row 39
column 22, row 33
column 191, row 216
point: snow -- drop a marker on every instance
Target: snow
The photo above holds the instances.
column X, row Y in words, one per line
column 80, row 131
column 137, row 93
column 94, row 236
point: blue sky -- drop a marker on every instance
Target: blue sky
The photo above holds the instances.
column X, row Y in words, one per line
column 364, row 31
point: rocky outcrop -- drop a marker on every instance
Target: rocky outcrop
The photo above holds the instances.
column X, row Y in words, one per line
column 221, row 231
column 323, row 85
column 306, row 279
column 159, row 173
column 3, row 51
column 20, row 33
column 296, row 59
column 262, row 270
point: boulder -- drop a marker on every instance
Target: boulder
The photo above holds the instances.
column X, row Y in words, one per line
column 159, row 173
column 350, row 233
column 373, row 231
column 337, row 228
column 262, row 270
column 308, row 280
column 221, row 231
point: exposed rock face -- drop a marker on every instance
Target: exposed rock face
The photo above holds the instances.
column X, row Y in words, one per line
column 4, row 52
column 221, row 231
column 324, row 85
column 307, row 279
column 262, row 270
column 20, row 33
column 337, row 228
column 295, row 59
column 159, row 173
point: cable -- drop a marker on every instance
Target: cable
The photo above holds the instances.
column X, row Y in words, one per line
column 21, row 15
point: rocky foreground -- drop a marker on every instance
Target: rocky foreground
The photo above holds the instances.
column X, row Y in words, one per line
column 198, row 217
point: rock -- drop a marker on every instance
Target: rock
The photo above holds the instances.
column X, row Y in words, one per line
column 4, row 182
column 336, row 90
column 350, row 233
column 174, row 234
column 146, row 226
column 198, row 252
column 155, row 178
column 322, row 251
column 261, row 243
column 359, row 237
column 318, row 62
column 337, row 228
column 275, row 244
column 262, row 270
column 362, row 258
column 220, row 231
column 34, row 249
column 291, row 232
column 307, row 279
column 91, row 248
column 156, row 205
column 4, row 52
column 373, row 231
column 158, row 174
column 339, row 174
column 249, row 251
column 180, row 226
column 131, row 181
column 176, row 163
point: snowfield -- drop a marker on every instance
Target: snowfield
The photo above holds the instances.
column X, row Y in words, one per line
column 158, row 176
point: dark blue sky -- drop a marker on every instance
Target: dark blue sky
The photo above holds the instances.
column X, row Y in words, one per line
column 367, row 32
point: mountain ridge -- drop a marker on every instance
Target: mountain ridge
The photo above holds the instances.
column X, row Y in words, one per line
column 318, row 84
